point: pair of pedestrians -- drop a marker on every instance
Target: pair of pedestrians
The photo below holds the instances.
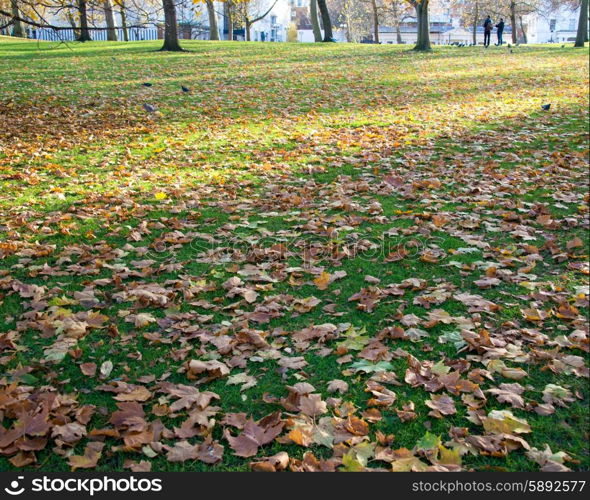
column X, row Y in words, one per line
column 487, row 31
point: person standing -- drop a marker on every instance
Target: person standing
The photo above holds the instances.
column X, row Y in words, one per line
column 487, row 31
column 500, row 31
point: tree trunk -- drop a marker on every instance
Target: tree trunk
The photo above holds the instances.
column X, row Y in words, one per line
column 170, row 28
column 248, row 26
column 323, row 8
column 522, row 30
column 17, row 26
column 110, row 20
column 73, row 24
column 229, row 12
column 582, row 25
column 475, row 23
column 350, row 34
column 84, row 31
column 513, row 21
column 315, row 21
column 213, row 30
column 375, row 20
column 423, row 42
column 124, row 21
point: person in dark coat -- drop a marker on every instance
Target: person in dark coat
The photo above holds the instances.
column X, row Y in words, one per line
column 500, row 31
column 487, row 31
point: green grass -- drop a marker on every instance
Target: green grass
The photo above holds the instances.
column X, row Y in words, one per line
column 292, row 145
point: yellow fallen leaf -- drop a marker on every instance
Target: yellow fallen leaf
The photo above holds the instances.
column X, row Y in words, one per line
column 322, row 281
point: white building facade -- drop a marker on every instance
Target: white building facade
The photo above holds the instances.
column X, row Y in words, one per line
column 553, row 26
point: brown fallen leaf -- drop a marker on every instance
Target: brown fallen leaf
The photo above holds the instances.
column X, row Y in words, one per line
column 255, row 434
column 88, row 369
column 89, row 460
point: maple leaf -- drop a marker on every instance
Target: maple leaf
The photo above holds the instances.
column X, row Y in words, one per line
column 351, row 463
column 214, row 369
column 428, row 442
column 338, row 386
column 88, row 369
column 255, row 434
column 555, row 394
column 244, row 379
column 355, row 340
column 277, row 462
column 140, row 320
column 407, row 412
column 441, row 404
column 209, row 452
column 448, row 456
column 294, row 363
column 546, row 456
column 139, row 393
column 409, row 464
column 509, row 393
column 89, row 460
column 366, row 367
column 322, row 281
column 504, row 422
column 312, row 405
column 69, row 433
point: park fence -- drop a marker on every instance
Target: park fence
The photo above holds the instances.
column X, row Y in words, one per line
column 69, row 34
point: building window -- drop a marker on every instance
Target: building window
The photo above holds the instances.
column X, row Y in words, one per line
column 572, row 25
column 273, row 19
column 552, row 24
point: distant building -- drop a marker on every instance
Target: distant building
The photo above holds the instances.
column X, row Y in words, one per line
column 552, row 26
column 273, row 28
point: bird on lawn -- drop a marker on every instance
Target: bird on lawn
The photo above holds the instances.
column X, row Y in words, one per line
column 563, row 46
column 545, row 107
column 185, row 89
column 146, row 84
column 149, row 108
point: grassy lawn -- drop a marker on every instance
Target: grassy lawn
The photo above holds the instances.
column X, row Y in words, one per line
column 384, row 253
